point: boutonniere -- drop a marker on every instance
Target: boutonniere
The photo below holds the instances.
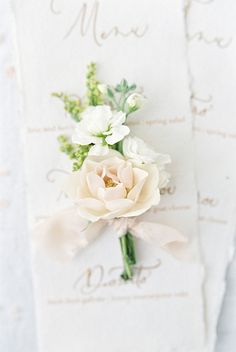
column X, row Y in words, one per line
column 116, row 176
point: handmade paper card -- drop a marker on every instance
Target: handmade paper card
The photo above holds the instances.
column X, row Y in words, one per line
column 210, row 40
column 83, row 304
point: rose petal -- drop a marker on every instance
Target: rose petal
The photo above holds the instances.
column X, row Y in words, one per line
column 119, row 204
column 140, row 208
column 89, row 166
column 125, row 175
column 94, row 183
column 110, row 173
column 136, row 190
column 139, row 175
column 113, row 162
column 150, row 188
column 90, row 214
column 75, row 186
column 91, row 209
column 91, row 203
column 112, row 193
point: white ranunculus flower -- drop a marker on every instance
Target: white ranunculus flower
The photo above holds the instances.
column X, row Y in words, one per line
column 135, row 100
column 139, row 152
column 100, row 125
column 112, row 187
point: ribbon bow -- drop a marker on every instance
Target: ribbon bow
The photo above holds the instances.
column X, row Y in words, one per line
column 66, row 233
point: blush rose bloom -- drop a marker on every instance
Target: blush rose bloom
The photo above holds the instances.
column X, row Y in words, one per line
column 110, row 186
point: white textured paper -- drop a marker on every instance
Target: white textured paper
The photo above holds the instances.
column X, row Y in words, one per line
column 17, row 325
column 162, row 309
column 211, row 42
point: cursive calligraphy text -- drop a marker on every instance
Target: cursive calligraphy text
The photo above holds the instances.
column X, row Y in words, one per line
column 86, row 21
column 95, row 278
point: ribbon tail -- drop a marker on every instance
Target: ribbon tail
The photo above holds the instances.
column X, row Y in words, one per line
column 64, row 234
column 161, row 236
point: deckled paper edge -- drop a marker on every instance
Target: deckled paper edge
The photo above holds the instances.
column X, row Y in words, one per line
column 230, row 257
column 187, row 4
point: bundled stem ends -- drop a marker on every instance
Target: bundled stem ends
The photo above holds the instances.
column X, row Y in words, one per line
column 129, row 255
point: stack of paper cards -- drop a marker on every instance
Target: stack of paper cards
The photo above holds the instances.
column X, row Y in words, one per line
column 172, row 303
column 212, row 68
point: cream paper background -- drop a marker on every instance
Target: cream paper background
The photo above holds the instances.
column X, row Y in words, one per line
column 165, row 311
column 212, row 74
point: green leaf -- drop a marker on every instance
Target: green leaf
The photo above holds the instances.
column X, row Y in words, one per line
column 124, row 83
column 132, row 87
column 110, row 93
column 119, row 147
column 118, row 88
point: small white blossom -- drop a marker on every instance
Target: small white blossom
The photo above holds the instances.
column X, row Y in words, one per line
column 139, row 152
column 100, row 126
column 135, row 101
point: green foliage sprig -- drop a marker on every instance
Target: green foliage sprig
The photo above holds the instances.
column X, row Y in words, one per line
column 94, row 95
column 119, row 94
column 73, row 106
column 75, row 152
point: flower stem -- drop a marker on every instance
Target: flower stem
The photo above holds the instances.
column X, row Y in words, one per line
column 129, row 256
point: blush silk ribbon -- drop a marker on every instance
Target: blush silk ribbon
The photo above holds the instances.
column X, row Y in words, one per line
column 66, row 233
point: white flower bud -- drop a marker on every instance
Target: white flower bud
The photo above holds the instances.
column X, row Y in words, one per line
column 135, row 100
